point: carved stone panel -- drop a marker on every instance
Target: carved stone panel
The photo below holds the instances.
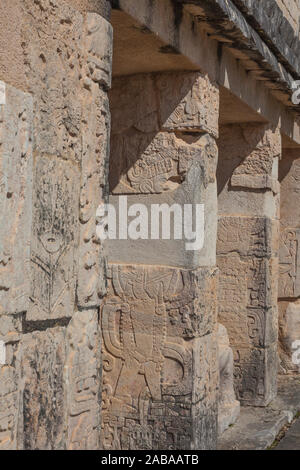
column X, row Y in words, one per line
column 43, row 357
column 289, row 263
column 255, row 373
column 82, row 379
column 15, row 198
column 95, row 155
column 159, row 375
column 247, row 249
column 188, row 101
column 10, row 377
column 54, row 246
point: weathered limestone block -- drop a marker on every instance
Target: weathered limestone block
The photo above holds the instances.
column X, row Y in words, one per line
column 68, row 65
column 247, row 253
column 159, row 322
column 196, row 99
column 248, row 170
column 95, row 154
column 160, row 374
column 255, row 372
column 229, row 407
column 61, row 371
column 292, row 328
column 289, row 260
column 153, row 164
column 93, row 191
column 10, row 377
column 43, row 358
column 54, row 246
column 15, row 197
column 68, row 60
column 82, row 381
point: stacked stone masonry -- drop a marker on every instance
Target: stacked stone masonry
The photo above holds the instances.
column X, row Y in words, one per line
column 247, row 252
column 159, row 323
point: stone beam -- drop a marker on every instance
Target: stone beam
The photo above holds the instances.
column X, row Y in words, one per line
column 213, row 54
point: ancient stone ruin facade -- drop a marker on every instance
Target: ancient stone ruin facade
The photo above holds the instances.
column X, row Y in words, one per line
column 143, row 344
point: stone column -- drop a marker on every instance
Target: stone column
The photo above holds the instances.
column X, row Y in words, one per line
column 247, row 253
column 160, row 374
column 68, row 65
column 15, row 230
column 289, row 267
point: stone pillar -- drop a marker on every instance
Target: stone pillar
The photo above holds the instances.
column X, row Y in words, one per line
column 160, row 361
column 68, row 66
column 289, row 261
column 15, row 230
column 247, row 253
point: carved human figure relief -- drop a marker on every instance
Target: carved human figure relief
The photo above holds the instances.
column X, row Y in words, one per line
column 136, row 350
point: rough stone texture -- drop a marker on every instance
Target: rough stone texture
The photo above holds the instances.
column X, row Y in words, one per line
column 278, row 24
column 10, row 378
column 247, row 253
column 291, row 440
column 258, row 428
column 15, row 197
column 71, row 129
column 61, row 373
column 159, row 324
column 167, row 155
column 43, row 358
column 159, row 367
column 289, row 263
column 160, row 359
column 229, row 407
column 68, row 68
column 83, row 382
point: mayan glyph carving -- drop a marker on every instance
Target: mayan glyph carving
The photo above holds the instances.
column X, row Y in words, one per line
column 143, row 165
column 83, row 376
column 289, row 285
column 247, row 249
column 289, row 262
column 95, row 152
column 147, row 363
column 229, row 407
column 15, row 198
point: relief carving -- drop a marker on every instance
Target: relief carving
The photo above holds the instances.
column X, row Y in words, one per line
column 147, row 369
column 289, row 263
column 15, row 198
column 55, row 240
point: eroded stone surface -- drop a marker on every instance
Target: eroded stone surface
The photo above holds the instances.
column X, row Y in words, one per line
column 229, row 407
column 15, row 198
column 289, row 261
column 247, row 254
column 82, row 381
column 11, row 437
column 160, row 374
